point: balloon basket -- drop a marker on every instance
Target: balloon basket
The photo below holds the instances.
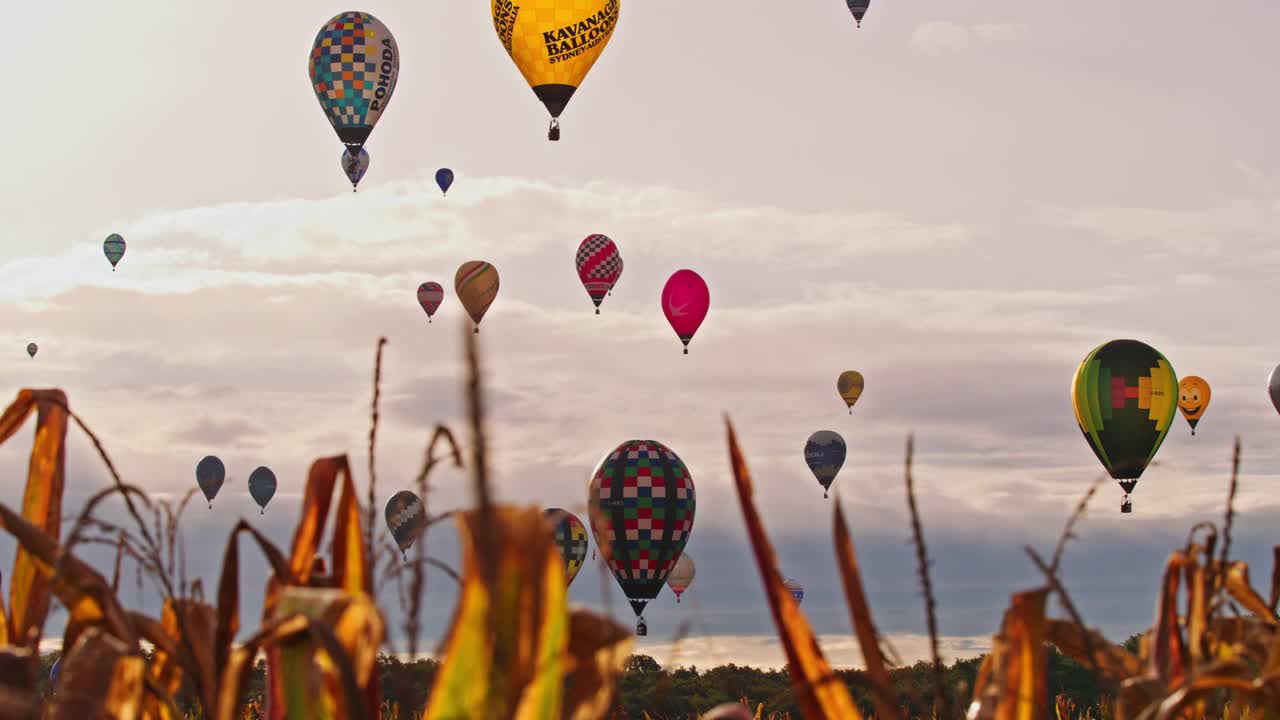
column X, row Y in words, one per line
column 553, row 134
column 598, row 312
column 641, row 628
column 1126, row 505
column 263, row 511
column 686, row 351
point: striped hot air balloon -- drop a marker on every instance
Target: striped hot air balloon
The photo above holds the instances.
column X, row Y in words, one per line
column 430, row 295
column 476, row 283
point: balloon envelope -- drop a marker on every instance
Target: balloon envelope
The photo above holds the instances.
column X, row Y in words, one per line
column 55, row 671
column 31, row 349
column 113, row 248
column 1193, row 399
column 554, row 43
column 1273, row 387
column 824, row 453
column 681, row 576
column 1124, row 398
column 685, row 300
column 355, row 167
column 262, row 486
column 850, row 385
column 476, row 283
column 599, row 266
column 430, row 295
column 859, row 9
column 406, row 517
column 571, row 538
column 354, row 66
column 444, row 178
column 210, row 473
column 796, row 589
column 641, row 502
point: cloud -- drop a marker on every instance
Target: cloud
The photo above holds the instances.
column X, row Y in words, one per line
column 941, row 38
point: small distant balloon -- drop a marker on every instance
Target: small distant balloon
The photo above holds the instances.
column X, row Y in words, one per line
column 54, row 672
column 406, row 517
column 571, row 538
column 476, row 283
column 210, row 473
column 355, row 167
column 1193, row 399
column 113, row 248
column 599, row 266
column 685, row 300
column 825, row 453
column 430, row 295
column 31, row 349
column 262, row 486
column 444, row 178
column 681, row 576
column 796, row 589
column 849, row 385
column 1273, row 387
column 859, row 9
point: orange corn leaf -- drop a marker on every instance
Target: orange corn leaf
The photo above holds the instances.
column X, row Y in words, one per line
column 196, row 655
column 41, row 506
column 1011, row 681
column 228, row 623
column 1242, row 591
column 1168, row 649
column 1197, row 616
column 864, row 626
column 504, row 652
column 1115, row 662
column 18, row 697
column 597, row 653
column 100, row 677
column 819, row 692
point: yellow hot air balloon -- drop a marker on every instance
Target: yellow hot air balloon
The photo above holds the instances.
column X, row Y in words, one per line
column 477, row 285
column 554, row 43
column 850, row 385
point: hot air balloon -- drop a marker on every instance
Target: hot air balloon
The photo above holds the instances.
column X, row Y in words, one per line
column 53, row 674
column 554, row 43
column 571, row 538
column 262, row 485
column 681, row 576
column 1273, row 387
column 824, row 453
column 406, row 518
column 850, row 385
column 210, row 472
column 599, row 266
column 355, row 167
column 354, row 66
column 476, row 283
column 1193, row 399
column 31, row 349
column 113, row 248
column 430, row 295
column 1124, row 396
column 444, row 178
column 685, row 300
column 641, row 503
column 796, row 589
column 859, row 9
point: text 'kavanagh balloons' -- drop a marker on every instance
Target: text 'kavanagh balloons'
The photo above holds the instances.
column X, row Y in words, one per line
column 1124, row 394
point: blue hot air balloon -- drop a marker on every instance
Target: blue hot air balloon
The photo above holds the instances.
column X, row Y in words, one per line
column 824, row 453
column 53, row 674
column 210, row 472
column 262, row 486
column 355, row 167
column 444, row 178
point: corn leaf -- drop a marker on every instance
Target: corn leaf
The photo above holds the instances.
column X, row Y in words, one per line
column 597, row 653
column 1011, row 681
column 1115, row 662
column 819, row 692
column 101, row 677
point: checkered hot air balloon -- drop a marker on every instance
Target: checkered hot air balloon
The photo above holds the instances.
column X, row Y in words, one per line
column 430, row 295
column 681, row 576
column 210, row 473
column 262, row 487
column 599, row 266
column 354, row 66
column 406, row 518
column 355, row 167
column 571, row 538
column 641, row 503
column 1125, row 394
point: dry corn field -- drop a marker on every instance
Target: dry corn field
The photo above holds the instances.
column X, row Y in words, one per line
column 514, row 648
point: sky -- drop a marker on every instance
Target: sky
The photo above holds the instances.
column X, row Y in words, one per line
column 960, row 201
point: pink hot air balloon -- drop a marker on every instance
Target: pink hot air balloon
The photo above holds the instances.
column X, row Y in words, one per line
column 430, row 295
column 685, row 300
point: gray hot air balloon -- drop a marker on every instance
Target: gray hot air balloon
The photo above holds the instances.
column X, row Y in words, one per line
column 824, row 453
column 262, row 485
column 31, row 349
column 210, row 472
column 1273, row 387
column 406, row 517
column 113, row 248
column 859, row 8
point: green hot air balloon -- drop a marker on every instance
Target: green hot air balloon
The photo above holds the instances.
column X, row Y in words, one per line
column 262, row 486
column 1125, row 394
column 113, row 248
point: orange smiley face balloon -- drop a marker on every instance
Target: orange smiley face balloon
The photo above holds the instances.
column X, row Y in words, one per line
column 1193, row 399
